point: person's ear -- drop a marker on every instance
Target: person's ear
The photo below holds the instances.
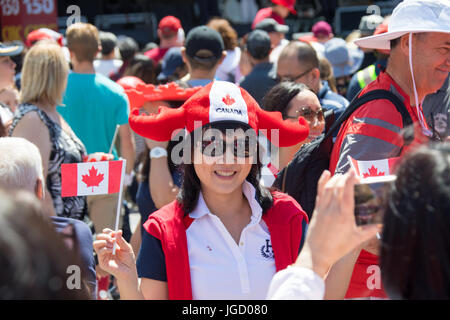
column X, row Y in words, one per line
column 39, row 189
column 183, row 55
column 224, row 54
column 404, row 44
column 316, row 73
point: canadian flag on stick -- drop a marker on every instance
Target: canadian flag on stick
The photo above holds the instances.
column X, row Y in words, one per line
column 373, row 168
column 91, row 178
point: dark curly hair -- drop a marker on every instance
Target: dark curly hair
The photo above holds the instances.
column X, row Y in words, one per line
column 190, row 188
column 415, row 252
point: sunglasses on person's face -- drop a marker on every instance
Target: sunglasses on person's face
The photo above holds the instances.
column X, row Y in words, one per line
column 308, row 114
column 242, row 147
column 295, row 78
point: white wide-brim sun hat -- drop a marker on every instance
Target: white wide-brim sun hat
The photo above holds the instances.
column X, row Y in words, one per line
column 411, row 16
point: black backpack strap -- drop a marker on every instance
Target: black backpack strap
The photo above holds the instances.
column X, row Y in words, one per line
column 367, row 97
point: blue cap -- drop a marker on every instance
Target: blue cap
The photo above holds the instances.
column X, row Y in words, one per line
column 172, row 60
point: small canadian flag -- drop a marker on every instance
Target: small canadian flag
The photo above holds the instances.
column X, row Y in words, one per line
column 91, row 178
column 373, row 168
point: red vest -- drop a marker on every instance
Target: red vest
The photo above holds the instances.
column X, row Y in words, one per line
column 168, row 224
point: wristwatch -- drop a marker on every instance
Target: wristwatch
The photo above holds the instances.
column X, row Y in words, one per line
column 158, row 152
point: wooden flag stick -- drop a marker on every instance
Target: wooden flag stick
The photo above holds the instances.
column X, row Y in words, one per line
column 114, row 139
column 119, row 204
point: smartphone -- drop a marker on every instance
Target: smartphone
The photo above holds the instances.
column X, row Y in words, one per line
column 371, row 199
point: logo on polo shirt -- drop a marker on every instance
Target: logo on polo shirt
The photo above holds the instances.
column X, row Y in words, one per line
column 266, row 250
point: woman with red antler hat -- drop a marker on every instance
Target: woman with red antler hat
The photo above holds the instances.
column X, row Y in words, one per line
column 225, row 235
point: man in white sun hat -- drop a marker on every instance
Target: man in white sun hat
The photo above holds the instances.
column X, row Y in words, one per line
column 419, row 41
column 418, row 37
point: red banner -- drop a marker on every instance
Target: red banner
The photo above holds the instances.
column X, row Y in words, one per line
column 20, row 17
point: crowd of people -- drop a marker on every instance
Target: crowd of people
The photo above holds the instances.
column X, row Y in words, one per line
column 213, row 127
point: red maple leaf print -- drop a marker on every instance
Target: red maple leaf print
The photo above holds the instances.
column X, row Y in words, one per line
column 228, row 100
column 373, row 172
column 92, row 179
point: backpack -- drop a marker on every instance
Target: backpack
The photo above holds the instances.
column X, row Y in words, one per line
column 313, row 158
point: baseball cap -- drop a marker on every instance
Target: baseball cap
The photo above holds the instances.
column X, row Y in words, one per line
column 169, row 24
column 321, row 28
column 8, row 50
column 43, row 34
column 204, row 38
column 258, row 44
column 172, row 60
column 270, row 25
column 286, row 3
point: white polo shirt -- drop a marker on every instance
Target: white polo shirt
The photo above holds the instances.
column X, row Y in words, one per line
column 220, row 268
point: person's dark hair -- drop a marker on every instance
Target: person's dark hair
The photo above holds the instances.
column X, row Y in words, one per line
column 144, row 68
column 202, row 64
column 396, row 41
column 128, row 47
column 190, row 188
column 326, row 73
column 278, row 98
column 2, row 127
column 415, row 251
column 108, row 41
column 33, row 258
column 229, row 35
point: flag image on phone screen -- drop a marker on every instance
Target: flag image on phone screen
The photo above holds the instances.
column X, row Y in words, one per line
column 371, row 199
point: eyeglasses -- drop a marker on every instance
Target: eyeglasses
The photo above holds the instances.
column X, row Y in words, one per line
column 242, row 148
column 308, row 114
column 293, row 79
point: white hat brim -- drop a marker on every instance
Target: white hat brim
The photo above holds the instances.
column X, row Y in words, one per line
column 383, row 41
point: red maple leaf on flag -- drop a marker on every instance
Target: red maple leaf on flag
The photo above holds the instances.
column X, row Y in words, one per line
column 92, row 179
column 228, row 100
column 373, row 172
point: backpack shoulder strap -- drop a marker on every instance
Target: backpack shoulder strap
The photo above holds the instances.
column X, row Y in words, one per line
column 367, row 97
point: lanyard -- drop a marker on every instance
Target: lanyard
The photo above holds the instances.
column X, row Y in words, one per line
column 426, row 131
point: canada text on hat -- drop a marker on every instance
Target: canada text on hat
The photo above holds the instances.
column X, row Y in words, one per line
column 218, row 102
column 411, row 16
column 169, row 24
column 205, row 39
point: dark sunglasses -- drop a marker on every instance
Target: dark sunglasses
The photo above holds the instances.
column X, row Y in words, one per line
column 309, row 115
column 242, row 148
column 295, row 78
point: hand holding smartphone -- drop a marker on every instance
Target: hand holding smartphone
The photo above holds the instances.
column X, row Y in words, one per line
column 371, row 199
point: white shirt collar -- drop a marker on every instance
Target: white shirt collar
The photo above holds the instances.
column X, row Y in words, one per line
column 201, row 209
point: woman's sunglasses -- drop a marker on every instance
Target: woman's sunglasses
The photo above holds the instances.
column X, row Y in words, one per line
column 309, row 115
column 242, row 148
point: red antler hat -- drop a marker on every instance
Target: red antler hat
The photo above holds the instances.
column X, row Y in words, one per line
column 165, row 92
column 218, row 101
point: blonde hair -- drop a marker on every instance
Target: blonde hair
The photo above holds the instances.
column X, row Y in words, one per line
column 83, row 40
column 44, row 74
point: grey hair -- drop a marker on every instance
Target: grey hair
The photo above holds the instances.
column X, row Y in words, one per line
column 20, row 164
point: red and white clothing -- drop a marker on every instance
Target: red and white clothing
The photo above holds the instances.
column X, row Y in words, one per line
column 267, row 13
column 373, row 132
column 204, row 262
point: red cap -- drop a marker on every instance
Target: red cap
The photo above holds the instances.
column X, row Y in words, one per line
column 218, row 101
column 43, row 34
column 169, row 24
column 321, row 28
column 287, row 3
